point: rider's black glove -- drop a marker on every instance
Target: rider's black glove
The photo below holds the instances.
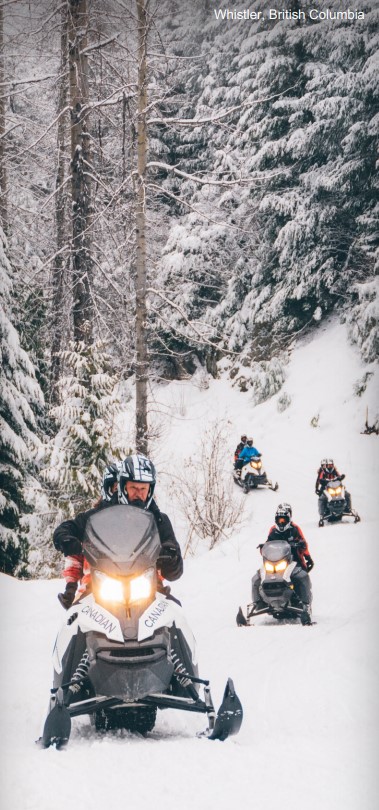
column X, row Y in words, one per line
column 342, row 477
column 170, row 561
column 309, row 564
column 66, row 599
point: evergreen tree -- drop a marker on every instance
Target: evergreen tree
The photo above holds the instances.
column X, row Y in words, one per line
column 20, row 394
column 85, row 438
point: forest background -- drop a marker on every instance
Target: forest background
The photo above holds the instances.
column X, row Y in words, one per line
column 178, row 192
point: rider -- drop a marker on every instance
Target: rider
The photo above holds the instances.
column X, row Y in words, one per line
column 328, row 472
column 240, row 447
column 136, row 484
column 285, row 529
column 248, row 452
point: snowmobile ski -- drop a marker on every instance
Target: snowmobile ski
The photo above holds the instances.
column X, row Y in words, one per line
column 57, row 726
column 229, row 716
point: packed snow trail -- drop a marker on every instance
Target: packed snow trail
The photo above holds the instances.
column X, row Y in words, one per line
column 310, row 694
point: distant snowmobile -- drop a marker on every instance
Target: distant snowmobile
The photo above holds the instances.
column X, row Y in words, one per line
column 336, row 506
column 252, row 476
column 276, row 589
column 126, row 650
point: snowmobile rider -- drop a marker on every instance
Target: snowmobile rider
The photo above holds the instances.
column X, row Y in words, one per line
column 285, row 529
column 136, row 484
column 248, row 452
column 240, row 447
column 73, row 567
column 328, row 472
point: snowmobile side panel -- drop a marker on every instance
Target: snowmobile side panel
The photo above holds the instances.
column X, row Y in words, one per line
column 165, row 613
column 85, row 616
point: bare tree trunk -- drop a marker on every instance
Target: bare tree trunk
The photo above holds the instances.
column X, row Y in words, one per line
column 60, row 262
column 3, row 176
column 141, row 334
column 80, row 161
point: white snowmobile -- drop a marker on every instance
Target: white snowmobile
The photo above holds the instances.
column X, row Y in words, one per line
column 334, row 504
column 126, row 650
column 252, row 476
column 276, row 589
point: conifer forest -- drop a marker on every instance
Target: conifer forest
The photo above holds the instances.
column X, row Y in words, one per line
column 178, row 190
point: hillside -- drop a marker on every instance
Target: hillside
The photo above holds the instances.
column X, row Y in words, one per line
column 310, row 697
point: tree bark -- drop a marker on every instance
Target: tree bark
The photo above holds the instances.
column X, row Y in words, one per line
column 141, row 333
column 3, row 176
column 80, row 162
column 61, row 217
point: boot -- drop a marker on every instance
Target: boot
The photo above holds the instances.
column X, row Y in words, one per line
column 306, row 616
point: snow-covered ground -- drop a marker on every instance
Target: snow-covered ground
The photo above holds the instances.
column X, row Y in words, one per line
column 309, row 738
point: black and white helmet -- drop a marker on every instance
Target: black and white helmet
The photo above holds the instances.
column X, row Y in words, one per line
column 110, row 478
column 283, row 516
column 249, row 441
column 136, row 468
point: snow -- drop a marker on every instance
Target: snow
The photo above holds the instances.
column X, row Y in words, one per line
column 310, row 695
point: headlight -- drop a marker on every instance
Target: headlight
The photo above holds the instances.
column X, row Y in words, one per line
column 256, row 464
column 110, row 590
column 142, row 587
column 334, row 490
column 276, row 568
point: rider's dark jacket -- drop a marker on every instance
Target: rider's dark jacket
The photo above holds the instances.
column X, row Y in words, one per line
column 69, row 536
column 323, row 476
column 293, row 535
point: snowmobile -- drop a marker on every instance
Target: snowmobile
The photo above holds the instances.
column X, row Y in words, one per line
column 125, row 649
column 252, row 476
column 336, row 506
column 276, row 589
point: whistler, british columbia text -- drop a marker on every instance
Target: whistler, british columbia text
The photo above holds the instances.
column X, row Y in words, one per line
column 347, row 15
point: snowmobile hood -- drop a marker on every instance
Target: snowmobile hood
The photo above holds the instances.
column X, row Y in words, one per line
column 275, row 550
column 121, row 540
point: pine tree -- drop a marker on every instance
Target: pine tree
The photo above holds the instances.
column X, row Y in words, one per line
column 19, row 395
column 85, row 438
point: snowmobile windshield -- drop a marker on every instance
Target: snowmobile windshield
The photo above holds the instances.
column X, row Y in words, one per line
column 122, row 540
column 275, row 550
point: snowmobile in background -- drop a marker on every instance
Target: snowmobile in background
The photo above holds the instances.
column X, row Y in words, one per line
column 335, row 503
column 126, row 650
column 276, row 589
column 252, row 475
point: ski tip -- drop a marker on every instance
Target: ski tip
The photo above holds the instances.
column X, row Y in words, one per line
column 229, row 716
column 240, row 618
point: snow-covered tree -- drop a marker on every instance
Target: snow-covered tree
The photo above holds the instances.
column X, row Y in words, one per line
column 85, row 439
column 19, row 395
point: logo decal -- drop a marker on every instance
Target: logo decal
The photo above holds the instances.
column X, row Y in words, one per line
column 155, row 614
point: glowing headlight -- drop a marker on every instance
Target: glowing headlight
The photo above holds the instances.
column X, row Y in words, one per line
column 276, row 568
column 336, row 491
column 256, row 464
column 110, row 590
column 141, row 587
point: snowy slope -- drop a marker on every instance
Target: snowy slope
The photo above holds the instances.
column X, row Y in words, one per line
column 310, row 695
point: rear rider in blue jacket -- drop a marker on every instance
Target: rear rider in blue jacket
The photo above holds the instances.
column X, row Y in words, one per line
column 248, row 452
